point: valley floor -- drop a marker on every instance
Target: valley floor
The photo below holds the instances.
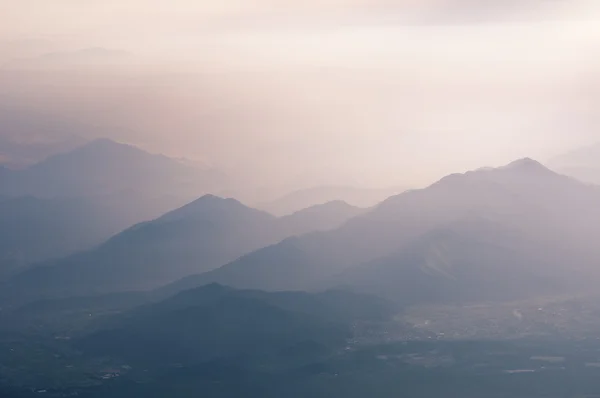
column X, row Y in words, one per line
column 537, row 348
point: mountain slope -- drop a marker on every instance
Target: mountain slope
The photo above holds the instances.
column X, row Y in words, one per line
column 197, row 237
column 545, row 209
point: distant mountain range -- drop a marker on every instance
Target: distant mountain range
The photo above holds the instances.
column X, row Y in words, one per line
column 220, row 299
column 114, row 174
column 104, row 167
column 516, row 230
column 78, row 198
column 15, row 154
column 197, row 237
column 298, row 200
column 500, row 233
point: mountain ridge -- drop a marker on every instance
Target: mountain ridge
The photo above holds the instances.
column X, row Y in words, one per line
column 523, row 196
column 111, row 173
column 206, row 233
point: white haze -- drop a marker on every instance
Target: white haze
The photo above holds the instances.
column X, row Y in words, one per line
column 285, row 96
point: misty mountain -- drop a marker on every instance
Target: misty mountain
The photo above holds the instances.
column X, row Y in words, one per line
column 195, row 238
column 532, row 208
column 495, row 262
column 34, row 230
column 104, row 167
column 113, row 174
column 302, row 199
column 582, row 163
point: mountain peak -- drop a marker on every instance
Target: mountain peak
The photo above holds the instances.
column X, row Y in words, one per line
column 210, row 206
column 204, row 202
column 526, row 165
column 210, row 199
column 518, row 170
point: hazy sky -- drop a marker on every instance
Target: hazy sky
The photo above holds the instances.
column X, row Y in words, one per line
column 307, row 92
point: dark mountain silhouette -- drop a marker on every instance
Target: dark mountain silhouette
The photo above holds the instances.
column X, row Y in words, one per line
column 541, row 210
column 219, row 322
column 197, row 237
column 302, row 199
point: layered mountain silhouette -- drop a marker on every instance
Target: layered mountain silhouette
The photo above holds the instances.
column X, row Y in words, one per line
column 521, row 227
column 197, row 237
column 114, row 174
